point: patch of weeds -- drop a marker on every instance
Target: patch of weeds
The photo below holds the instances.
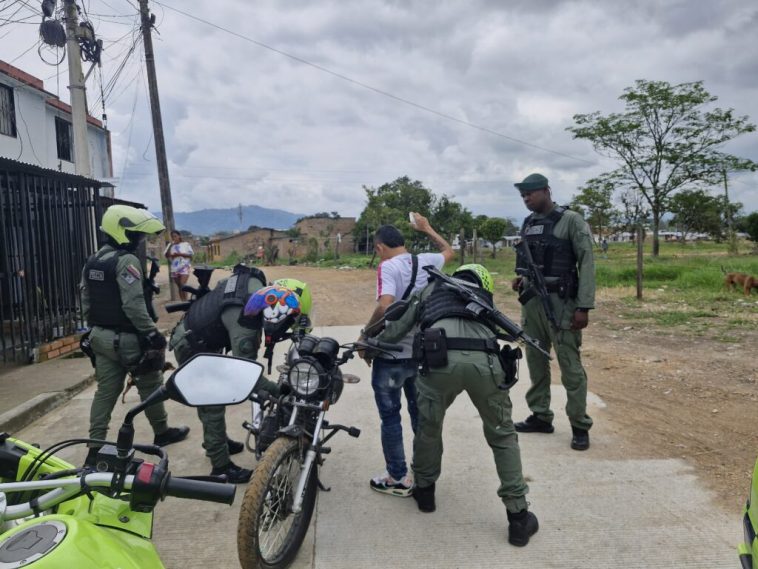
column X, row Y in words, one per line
column 726, row 338
column 740, row 323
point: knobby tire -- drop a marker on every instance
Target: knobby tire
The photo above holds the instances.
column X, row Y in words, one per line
column 270, row 488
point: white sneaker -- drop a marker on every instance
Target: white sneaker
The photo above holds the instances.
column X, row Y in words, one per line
column 385, row 484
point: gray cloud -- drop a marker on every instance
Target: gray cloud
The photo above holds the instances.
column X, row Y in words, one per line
column 245, row 124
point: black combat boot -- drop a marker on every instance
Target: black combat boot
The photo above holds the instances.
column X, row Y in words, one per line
column 171, row 435
column 581, row 438
column 521, row 526
column 235, row 447
column 425, row 498
column 234, row 474
column 534, row 424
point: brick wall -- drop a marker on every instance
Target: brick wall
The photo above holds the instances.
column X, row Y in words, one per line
column 60, row 347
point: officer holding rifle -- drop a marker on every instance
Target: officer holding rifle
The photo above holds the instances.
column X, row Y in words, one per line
column 556, row 285
column 457, row 349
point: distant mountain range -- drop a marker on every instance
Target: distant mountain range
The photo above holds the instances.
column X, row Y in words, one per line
column 210, row 221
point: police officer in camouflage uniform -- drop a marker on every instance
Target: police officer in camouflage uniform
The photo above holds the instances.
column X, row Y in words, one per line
column 459, row 352
column 216, row 323
column 116, row 303
column 561, row 244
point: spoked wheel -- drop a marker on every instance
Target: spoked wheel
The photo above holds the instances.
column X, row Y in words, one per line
column 269, row 534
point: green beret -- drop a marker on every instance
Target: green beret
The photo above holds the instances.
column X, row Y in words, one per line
column 532, row 182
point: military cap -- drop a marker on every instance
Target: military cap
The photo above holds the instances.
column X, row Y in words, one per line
column 532, row 182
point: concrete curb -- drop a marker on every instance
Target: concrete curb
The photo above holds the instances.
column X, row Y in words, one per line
column 34, row 408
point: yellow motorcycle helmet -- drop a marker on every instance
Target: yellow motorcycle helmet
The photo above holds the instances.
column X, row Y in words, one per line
column 120, row 219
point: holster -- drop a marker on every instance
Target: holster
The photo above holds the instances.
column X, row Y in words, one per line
column 568, row 285
column 85, row 345
column 430, row 348
column 509, row 358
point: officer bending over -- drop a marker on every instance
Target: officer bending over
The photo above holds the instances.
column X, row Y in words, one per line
column 216, row 323
column 459, row 352
column 116, row 304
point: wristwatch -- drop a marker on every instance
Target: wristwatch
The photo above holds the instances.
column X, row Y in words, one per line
column 582, row 309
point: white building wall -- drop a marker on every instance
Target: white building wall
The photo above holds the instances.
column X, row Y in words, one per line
column 35, row 141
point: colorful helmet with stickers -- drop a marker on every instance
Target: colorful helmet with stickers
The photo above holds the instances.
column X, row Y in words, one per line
column 302, row 291
column 120, row 219
column 481, row 275
column 279, row 306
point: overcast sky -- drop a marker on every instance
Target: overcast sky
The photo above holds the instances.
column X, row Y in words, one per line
column 245, row 124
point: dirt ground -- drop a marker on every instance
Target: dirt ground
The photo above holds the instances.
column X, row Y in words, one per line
column 669, row 394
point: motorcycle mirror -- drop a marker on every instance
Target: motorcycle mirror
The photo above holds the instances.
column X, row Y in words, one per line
column 213, row 379
column 396, row 310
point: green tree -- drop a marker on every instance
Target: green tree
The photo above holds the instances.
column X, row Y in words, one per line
column 390, row 204
column 665, row 141
column 493, row 230
column 749, row 224
column 595, row 200
column 696, row 211
column 448, row 217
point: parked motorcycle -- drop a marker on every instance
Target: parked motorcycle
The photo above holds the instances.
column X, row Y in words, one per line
column 748, row 550
column 54, row 515
column 290, row 437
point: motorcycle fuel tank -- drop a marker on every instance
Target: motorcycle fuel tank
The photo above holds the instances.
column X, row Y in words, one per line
column 56, row 541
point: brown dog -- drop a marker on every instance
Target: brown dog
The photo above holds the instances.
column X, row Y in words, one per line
column 747, row 282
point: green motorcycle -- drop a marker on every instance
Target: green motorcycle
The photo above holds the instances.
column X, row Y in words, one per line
column 54, row 515
column 748, row 550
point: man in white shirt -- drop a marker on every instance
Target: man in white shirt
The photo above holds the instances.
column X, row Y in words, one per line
column 399, row 274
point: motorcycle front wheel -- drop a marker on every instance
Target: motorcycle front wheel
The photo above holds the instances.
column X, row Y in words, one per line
column 269, row 533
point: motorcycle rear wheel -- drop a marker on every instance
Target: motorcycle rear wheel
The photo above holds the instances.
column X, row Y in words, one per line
column 269, row 534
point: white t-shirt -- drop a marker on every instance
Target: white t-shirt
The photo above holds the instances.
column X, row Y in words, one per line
column 392, row 278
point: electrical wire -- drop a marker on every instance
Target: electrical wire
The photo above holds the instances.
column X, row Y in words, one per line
column 35, row 44
column 26, row 127
column 372, row 88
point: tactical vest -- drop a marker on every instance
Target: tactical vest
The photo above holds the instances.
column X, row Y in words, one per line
column 446, row 303
column 203, row 319
column 555, row 256
column 105, row 297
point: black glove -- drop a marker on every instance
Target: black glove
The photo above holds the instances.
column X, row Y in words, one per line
column 155, row 340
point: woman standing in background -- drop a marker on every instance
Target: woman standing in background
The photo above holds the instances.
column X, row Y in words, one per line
column 179, row 254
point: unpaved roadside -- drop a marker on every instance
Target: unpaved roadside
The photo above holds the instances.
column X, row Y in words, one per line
column 668, row 393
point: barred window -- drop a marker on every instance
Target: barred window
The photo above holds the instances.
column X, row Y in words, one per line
column 63, row 139
column 7, row 111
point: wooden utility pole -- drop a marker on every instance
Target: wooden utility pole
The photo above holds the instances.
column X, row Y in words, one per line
column 640, row 233
column 77, row 92
column 160, row 144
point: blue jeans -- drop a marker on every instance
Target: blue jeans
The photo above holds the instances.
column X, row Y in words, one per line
column 389, row 378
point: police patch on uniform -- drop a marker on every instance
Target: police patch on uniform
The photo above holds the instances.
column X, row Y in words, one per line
column 95, row 275
column 128, row 277
column 535, row 230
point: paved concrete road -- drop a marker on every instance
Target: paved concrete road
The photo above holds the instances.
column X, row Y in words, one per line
column 594, row 511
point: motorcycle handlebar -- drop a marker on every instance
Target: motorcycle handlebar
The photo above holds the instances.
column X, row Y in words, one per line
column 199, row 490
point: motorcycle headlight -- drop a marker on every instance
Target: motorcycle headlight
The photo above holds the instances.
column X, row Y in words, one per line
column 305, row 377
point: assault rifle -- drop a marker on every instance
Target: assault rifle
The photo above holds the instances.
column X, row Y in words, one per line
column 150, row 287
column 533, row 272
column 484, row 310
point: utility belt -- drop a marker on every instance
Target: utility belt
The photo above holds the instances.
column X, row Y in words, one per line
column 567, row 286
column 430, row 349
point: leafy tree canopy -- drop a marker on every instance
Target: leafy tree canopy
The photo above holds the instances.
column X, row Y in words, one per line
column 668, row 138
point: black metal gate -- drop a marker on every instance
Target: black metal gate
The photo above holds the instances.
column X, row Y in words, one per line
column 48, row 223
